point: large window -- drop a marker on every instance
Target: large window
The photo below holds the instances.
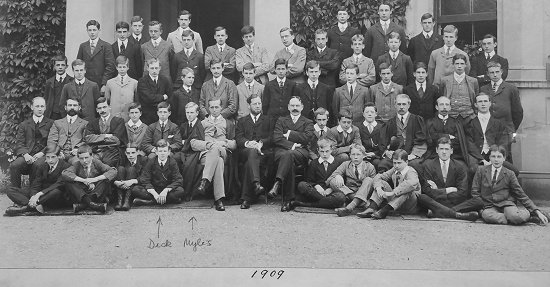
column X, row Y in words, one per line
column 473, row 18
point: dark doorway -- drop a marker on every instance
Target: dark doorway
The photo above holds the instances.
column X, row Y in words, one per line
column 209, row 14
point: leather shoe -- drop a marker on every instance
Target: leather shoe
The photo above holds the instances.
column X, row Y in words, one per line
column 101, row 207
column 39, row 208
column 77, row 207
column 286, row 207
column 471, row 216
column 258, row 189
column 380, row 214
column 344, row 211
column 13, row 210
column 245, row 204
column 274, row 190
column 139, row 201
column 367, row 213
column 219, row 205
column 203, row 186
column 430, row 214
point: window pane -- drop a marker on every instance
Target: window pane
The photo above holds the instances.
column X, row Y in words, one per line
column 485, row 6
column 455, row 7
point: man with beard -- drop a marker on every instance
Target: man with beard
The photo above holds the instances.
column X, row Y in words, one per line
column 292, row 135
column 106, row 135
column 68, row 133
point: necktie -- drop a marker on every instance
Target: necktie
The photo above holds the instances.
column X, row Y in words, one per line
column 351, row 92
column 321, row 133
column 188, row 53
column 494, row 177
column 448, row 51
column 70, row 121
column 402, row 120
column 122, row 48
column 397, row 178
column 155, row 80
column 190, row 125
column 495, row 87
column 421, row 91
column 135, row 127
column 369, row 126
column 51, row 169
column 356, row 172
column 155, row 44
column 92, row 47
column 250, row 87
column 313, row 86
column 161, row 165
column 281, row 84
column 356, row 59
column 444, row 170
column 221, row 49
column 426, row 36
column 385, row 27
column 445, row 120
column 325, row 164
column 488, row 57
column 216, row 83
column 294, row 119
column 345, row 135
column 60, row 80
column 122, row 79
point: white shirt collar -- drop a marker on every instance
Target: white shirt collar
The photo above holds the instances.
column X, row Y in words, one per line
column 342, row 26
column 405, row 116
column 156, row 42
column 423, row 85
column 81, row 82
column 39, row 119
column 120, row 42
column 318, row 129
column 443, row 117
column 131, row 124
column 180, row 30
column 59, row 77
column 429, row 34
column 251, row 46
column 290, row 48
column 186, row 88
column 451, row 49
column 490, row 54
column 193, row 122
column 294, row 118
column 94, row 41
column 446, row 161
column 387, row 22
column 394, row 54
column 137, row 37
column 106, row 118
column 493, row 171
column 154, row 78
column 373, row 124
column 354, row 84
column 357, row 57
column 497, row 83
column 340, row 130
column 281, row 80
column 386, row 86
column 72, row 119
column 54, row 166
column 330, row 160
column 484, row 117
column 162, row 162
column 217, row 80
column 163, row 122
column 251, row 84
column 459, row 78
column 188, row 51
column 222, row 46
column 403, row 172
column 311, row 82
column 215, row 119
column 321, row 50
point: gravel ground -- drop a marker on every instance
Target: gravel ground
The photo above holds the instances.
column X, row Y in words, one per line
column 263, row 236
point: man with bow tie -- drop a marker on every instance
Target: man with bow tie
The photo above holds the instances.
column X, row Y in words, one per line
column 31, row 139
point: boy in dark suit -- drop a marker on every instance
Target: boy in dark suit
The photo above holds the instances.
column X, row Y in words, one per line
column 106, row 135
column 314, row 190
column 98, row 56
column 320, row 131
column 128, row 173
column 54, row 86
column 314, row 93
column 137, row 28
column 153, row 89
column 421, row 46
column 479, row 62
column 248, row 87
column 46, row 188
column 130, row 49
column 499, row 190
column 187, row 158
column 328, row 59
column 86, row 91
column 223, row 52
column 31, row 139
column 352, row 96
column 401, row 64
column 278, row 92
column 344, row 135
column 371, row 134
column 339, row 36
column 423, row 96
column 376, row 37
column 187, row 93
column 254, row 140
column 188, row 57
column 163, row 129
column 160, row 181
column 157, row 48
column 445, row 185
column 88, row 181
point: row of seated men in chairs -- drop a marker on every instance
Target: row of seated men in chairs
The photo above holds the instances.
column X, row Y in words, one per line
column 351, row 167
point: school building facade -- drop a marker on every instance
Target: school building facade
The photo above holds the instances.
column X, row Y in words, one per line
column 524, row 38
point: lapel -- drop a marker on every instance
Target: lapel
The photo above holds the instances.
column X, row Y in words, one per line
column 194, row 54
column 73, row 126
column 98, row 47
column 378, row 27
column 157, row 126
column 298, row 123
column 490, row 124
column 450, row 171
column 398, row 60
column 499, row 90
column 476, row 124
column 439, row 172
column 488, row 175
column 430, row 41
column 85, row 86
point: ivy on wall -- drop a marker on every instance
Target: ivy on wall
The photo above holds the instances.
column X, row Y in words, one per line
column 306, row 16
column 31, row 33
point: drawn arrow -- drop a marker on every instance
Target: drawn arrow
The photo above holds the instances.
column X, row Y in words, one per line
column 192, row 220
column 159, row 223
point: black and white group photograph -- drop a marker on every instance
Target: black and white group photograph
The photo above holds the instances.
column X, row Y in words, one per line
column 274, row 142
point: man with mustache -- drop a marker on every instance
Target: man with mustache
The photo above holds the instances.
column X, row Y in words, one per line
column 68, row 133
column 106, row 135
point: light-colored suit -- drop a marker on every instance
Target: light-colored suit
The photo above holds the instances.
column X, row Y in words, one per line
column 441, row 65
column 343, row 101
column 446, row 88
column 385, row 100
column 406, row 190
column 366, row 66
column 176, row 41
column 245, row 93
column 163, row 52
column 296, row 61
column 258, row 55
column 60, row 133
column 226, row 91
column 352, row 183
column 121, row 94
column 227, row 56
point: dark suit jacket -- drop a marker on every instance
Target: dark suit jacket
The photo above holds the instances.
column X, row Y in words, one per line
column 376, row 42
column 402, row 68
column 343, row 145
column 341, row 41
column 316, row 173
column 479, row 68
column 25, row 138
column 154, row 133
column 188, row 133
column 457, row 176
column 373, row 142
column 133, row 53
column 158, row 178
column 180, row 98
column 163, row 52
column 100, row 66
column 195, row 61
column 320, row 98
column 506, row 104
column 53, row 100
column 300, row 132
column 329, row 62
column 97, row 168
column 275, row 101
column 436, row 130
column 262, row 130
column 226, row 92
column 425, row 106
column 143, row 40
column 125, row 171
column 420, row 49
column 227, row 56
column 505, row 192
column 415, row 132
column 88, row 99
column 96, row 139
column 44, row 181
column 150, row 95
column 496, row 133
